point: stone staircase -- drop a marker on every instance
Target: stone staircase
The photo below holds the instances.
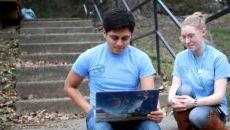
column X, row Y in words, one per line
column 48, row 47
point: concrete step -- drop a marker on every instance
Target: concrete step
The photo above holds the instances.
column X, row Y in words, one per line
column 58, row 19
column 42, row 73
column 56, row 30
column 74, row 124
column 50, row 57
column 53, row 23
column 46, row 89
column 63, row 105
column 60, row 37
column 168, row 123
column 62, row 47
column 7, row 35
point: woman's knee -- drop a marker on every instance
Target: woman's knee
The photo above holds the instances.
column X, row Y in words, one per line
column 185, row 90
column 149, row 125
column 199, row 116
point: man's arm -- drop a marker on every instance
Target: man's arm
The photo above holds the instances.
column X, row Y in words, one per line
column 71, row 83
column 147, row 83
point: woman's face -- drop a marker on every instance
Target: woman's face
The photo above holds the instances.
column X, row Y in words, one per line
column 192, row 37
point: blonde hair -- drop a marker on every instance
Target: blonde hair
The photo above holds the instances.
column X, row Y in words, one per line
column 197, row 20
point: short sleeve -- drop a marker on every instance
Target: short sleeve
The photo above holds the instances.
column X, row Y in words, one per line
column 176, row 67
column 81, row 65
column 222, row 67
column 146, row 67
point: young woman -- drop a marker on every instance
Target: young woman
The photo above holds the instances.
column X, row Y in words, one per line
column 200, row 75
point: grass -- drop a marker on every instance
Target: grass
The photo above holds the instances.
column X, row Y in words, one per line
column 221, row 38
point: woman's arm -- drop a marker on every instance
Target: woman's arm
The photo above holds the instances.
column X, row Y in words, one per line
column 218, row 95
column 176, row 83
column 71, row 83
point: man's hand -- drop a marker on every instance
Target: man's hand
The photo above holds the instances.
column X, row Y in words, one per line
column 156, row 116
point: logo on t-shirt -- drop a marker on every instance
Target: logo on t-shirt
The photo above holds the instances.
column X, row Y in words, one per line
column 98, row 69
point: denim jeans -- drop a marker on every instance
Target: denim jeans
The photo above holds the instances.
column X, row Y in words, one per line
column 199, row 115
column 130, row 125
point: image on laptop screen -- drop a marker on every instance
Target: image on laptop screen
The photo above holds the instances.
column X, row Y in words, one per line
column 125, row 105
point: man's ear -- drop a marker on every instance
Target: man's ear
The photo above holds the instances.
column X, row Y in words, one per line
column 104, row 34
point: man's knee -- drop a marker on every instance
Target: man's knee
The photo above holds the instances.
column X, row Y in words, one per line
column 149, row 125
column 103, row 126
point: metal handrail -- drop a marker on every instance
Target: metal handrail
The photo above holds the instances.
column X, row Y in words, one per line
column 126, row 5
column 143, row 35
column 166, row 44
column 97, row 11
column 217, row 15
column 139, row 5
column 173, row 18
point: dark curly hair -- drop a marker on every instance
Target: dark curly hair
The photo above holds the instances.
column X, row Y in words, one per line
column 118, row 18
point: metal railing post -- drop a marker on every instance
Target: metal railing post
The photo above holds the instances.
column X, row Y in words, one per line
column 157, row 37
column 97, row 11
column 126, row 5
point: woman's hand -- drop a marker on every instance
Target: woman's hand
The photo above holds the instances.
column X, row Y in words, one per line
column 182, row 103
column 177, row 104
column 156, row 116
column 188, row 101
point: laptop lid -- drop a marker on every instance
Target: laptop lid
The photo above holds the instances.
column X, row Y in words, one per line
column 125, row 105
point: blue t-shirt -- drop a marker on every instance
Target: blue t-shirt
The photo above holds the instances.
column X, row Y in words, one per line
column 201, row 72
column 112, row 72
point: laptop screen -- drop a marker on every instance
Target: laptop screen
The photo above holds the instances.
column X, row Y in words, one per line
column 125, row 105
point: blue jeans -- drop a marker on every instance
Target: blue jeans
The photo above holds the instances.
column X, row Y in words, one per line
column 199, row 115
column 127, row 125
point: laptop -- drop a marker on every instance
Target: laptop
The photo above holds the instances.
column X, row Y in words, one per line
column 125, row 105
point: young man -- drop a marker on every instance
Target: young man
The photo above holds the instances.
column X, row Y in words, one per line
column 113, row 66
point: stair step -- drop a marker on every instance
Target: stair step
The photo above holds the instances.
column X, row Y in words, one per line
column 56, row 30
column 42, row 73
column 71, row 124
column 50, row 57
column 46, row 89
column 57, row 19
column 52, row 23
column 7, row 35
column 62, row 47
column 60, row 37
column 63, row 105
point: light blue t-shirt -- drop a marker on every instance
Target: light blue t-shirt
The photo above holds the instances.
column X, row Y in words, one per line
column 112, row 72
column 201, row 72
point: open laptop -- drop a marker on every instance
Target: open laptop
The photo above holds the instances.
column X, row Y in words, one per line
column 125, row 105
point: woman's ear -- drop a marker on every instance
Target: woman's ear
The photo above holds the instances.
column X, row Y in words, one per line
column 204, row 31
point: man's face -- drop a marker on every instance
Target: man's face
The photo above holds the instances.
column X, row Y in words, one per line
column 118, row 39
